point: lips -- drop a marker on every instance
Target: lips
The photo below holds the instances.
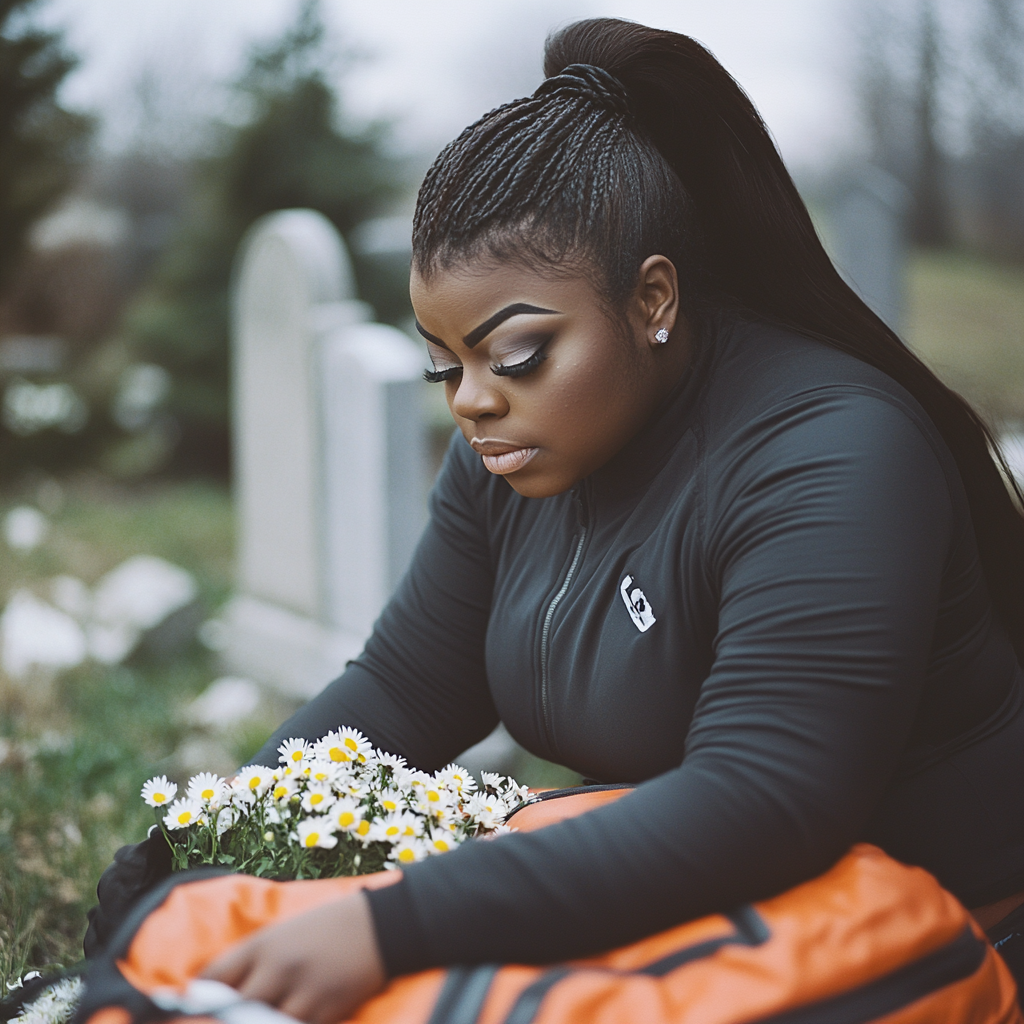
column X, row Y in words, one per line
column 500, row 457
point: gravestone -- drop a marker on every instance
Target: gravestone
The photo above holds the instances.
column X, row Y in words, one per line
column 329, row 457
column 868, row 240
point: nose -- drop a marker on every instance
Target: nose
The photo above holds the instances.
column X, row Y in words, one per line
column 478, row 398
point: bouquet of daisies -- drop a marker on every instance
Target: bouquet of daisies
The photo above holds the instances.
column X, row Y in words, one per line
column 336, row 807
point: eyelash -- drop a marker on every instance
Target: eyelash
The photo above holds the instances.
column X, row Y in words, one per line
column 528, row 365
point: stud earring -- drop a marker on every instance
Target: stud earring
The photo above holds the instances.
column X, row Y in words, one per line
column 661, row 336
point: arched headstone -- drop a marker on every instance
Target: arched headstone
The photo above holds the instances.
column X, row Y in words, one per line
column 329, row 456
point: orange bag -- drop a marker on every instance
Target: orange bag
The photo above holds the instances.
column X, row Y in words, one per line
column 869, row 940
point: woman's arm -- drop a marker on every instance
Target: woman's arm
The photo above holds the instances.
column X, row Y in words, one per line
column 419, row 689
column 826, row 550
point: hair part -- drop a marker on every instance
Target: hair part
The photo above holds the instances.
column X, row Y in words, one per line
column 640, row 143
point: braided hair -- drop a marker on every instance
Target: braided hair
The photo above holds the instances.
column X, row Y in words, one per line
column 640, row 143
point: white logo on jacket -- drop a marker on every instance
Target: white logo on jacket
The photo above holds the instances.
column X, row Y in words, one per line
column 637, row 605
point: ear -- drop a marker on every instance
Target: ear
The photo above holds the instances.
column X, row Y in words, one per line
column 658, row 298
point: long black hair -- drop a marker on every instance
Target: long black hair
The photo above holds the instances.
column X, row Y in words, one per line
column 640, row 142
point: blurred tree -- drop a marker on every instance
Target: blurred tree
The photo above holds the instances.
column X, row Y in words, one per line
column 42, row 145
column 942, row 91
column 290, row 150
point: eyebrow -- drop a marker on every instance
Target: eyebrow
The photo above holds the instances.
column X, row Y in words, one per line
column 478, row 334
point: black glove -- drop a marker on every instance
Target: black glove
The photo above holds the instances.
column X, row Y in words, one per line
column 136, row 869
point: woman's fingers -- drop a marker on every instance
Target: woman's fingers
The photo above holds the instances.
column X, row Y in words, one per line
column 232, row 966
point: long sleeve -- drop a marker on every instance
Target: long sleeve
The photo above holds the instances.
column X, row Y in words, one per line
column 419, row 688
column 825, row 538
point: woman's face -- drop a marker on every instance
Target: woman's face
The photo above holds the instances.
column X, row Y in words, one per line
column 543, row 383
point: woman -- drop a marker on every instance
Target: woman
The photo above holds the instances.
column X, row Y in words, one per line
column 715, row 531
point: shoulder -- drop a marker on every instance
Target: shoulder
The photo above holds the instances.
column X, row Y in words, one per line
column 786, row 414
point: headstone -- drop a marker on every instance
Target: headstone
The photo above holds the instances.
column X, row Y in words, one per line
column 329, row 457
column 868, row 239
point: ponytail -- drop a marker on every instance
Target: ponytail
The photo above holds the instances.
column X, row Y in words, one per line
column 682, row 164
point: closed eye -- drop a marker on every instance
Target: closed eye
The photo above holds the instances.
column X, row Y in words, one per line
column 439, row 376
column 526, row 366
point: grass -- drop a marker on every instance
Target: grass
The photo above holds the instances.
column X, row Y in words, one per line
column 78, row 747
column 965, row 318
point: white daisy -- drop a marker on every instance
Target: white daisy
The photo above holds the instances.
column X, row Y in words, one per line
column 491, row 780
column 392, row 761
column 324, row 771
column 284, row 789
column 396, row 827
column 206, row 787
column 408, row 851
column 318, row 799
column 183, row 813
column 318, row 831
column 441, row 844
column 158, row 791
column 457, row 778
column 254, row 779
column 295, row 753
column 391, row 800
column 488, row 810
column 344, row 746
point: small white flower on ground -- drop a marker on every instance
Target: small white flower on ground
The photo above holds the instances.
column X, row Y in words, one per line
column 206, row 787
column 318, row 799
column 254, row 779
column 295, row 752
column 317, row 831
column 183, row 813
column 158, row 791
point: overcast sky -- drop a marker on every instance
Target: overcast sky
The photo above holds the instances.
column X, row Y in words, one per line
column 436, row 65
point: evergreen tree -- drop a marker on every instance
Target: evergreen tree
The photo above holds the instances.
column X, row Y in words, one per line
column 290, row 152
column 41, row 144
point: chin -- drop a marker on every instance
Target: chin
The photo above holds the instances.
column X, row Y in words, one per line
column 537, row 485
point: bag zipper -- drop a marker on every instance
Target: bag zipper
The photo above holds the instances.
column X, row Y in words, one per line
column 546, row 629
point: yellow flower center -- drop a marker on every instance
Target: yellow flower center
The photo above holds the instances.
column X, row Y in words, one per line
column 337, row 754
column 441, row 845
column 316, row 798
column 207, row 794
column 409, row 831
column 280, row 791
column 407, row 856
column 296, row 755
column 184, row 817
column 346, row 818
column 433, row 796
column 389, row 805
column 351, row 744
column 312, row 839
column 320, row 776
column 392, row 830
column 363, row 827
column 254, row 782
column 159, row 798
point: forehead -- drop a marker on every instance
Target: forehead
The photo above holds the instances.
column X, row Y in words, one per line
column 460, row 299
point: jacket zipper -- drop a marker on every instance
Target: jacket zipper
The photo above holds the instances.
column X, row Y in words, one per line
column 546, row 630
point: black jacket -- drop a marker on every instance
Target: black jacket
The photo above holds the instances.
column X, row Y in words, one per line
column 768, row 609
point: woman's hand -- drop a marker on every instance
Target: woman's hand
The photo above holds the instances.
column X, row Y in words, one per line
column 317, row 967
